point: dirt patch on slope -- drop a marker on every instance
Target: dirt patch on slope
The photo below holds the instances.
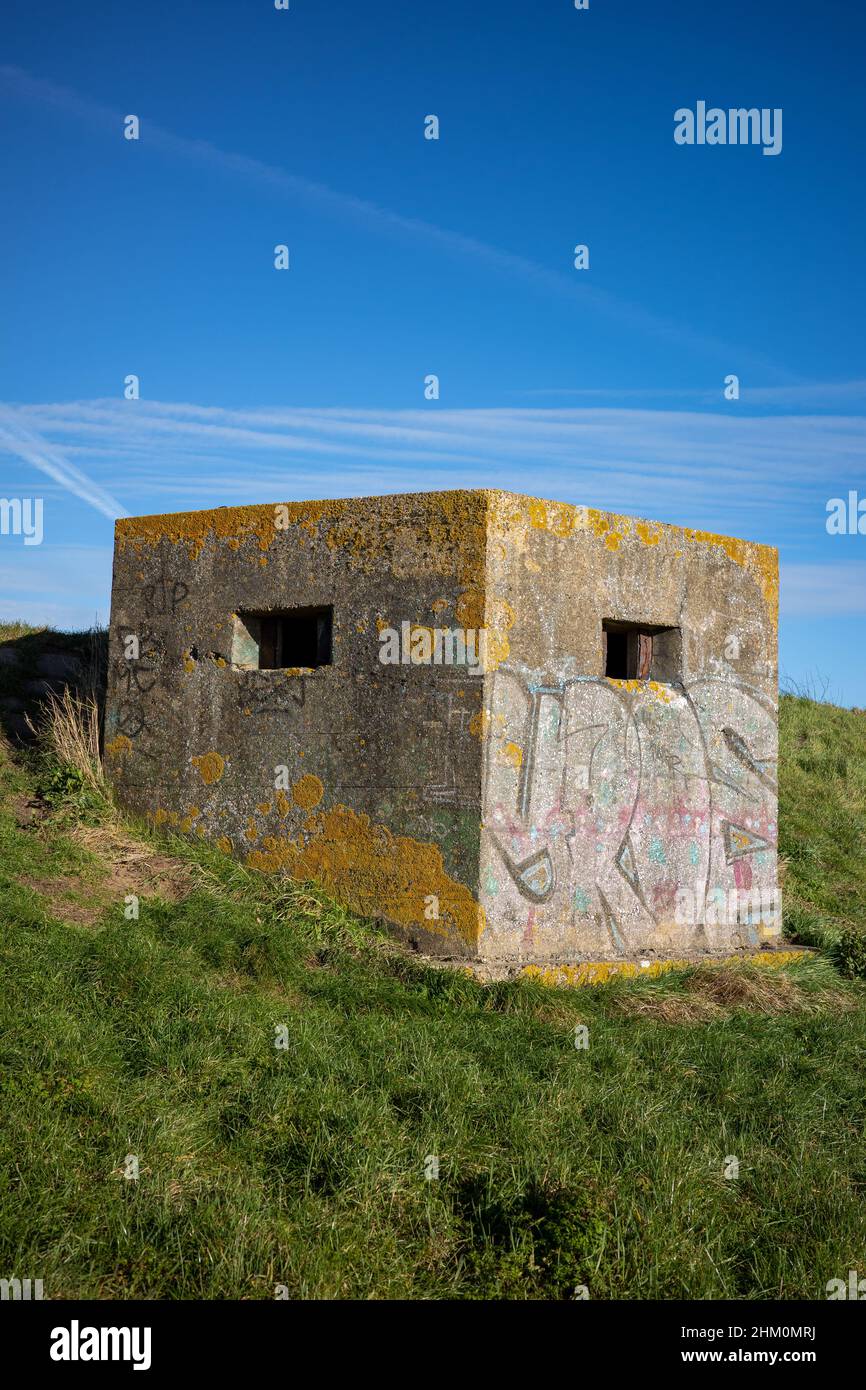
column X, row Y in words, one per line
column 133, row 866
column 128, row 866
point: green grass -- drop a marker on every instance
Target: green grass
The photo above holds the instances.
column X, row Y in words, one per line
column 822, row 826
column 305, row 1167
column 10, row 631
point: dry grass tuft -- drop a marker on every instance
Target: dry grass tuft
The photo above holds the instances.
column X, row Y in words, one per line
column 834, row 1001
column 667, row 1007
column 69, row 729
column 112, row 842
column 303, row 902
column 714, row 992
column 745, row 987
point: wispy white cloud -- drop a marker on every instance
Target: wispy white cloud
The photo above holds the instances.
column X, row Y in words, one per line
column 767, row 477
column 764, row 476
column 333, row 202
column 807, row 393
column 800, row 396
column 24, row 443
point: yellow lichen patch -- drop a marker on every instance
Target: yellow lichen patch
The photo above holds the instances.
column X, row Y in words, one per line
column 662, row 693
column 598, row 522
column 448, row 529
column 648, row 532
column 561, row 519
column 500, row 614
column 252, row 832
column 498, row 650
column 161, row 817
column 119, row 747
column 599, row 972
column 188, row 663
column 307, row 792
column 469, row 609
column 230, row 524
column 512, row 517
column 512, row 754
column 377, row 873
column 225, row 844
column 189, row 819
column 210, row 766
column 761, row 561
column 499, row 618
column 442, row 534
column 623, row 684
column 479, row 724
column 284, row 806
column 220, row 661
column 263, row 807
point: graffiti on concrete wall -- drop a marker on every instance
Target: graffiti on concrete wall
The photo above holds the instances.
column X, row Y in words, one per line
column 605, row 799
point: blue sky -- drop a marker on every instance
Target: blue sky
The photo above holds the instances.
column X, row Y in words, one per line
column 454, row 257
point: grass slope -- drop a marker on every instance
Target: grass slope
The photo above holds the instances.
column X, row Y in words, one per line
column 822, row 825
column 304, row 1165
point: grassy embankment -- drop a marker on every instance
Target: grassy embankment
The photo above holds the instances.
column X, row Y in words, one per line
column 305, row 1166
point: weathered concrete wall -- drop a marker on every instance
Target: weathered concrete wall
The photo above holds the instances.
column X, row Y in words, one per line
column 626, row 817
column 603, row 802
column 383, row 801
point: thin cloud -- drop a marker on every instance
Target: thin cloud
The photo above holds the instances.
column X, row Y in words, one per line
column 807, row 393
column 25, row 444
column 743, row 474
column 333, row 202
